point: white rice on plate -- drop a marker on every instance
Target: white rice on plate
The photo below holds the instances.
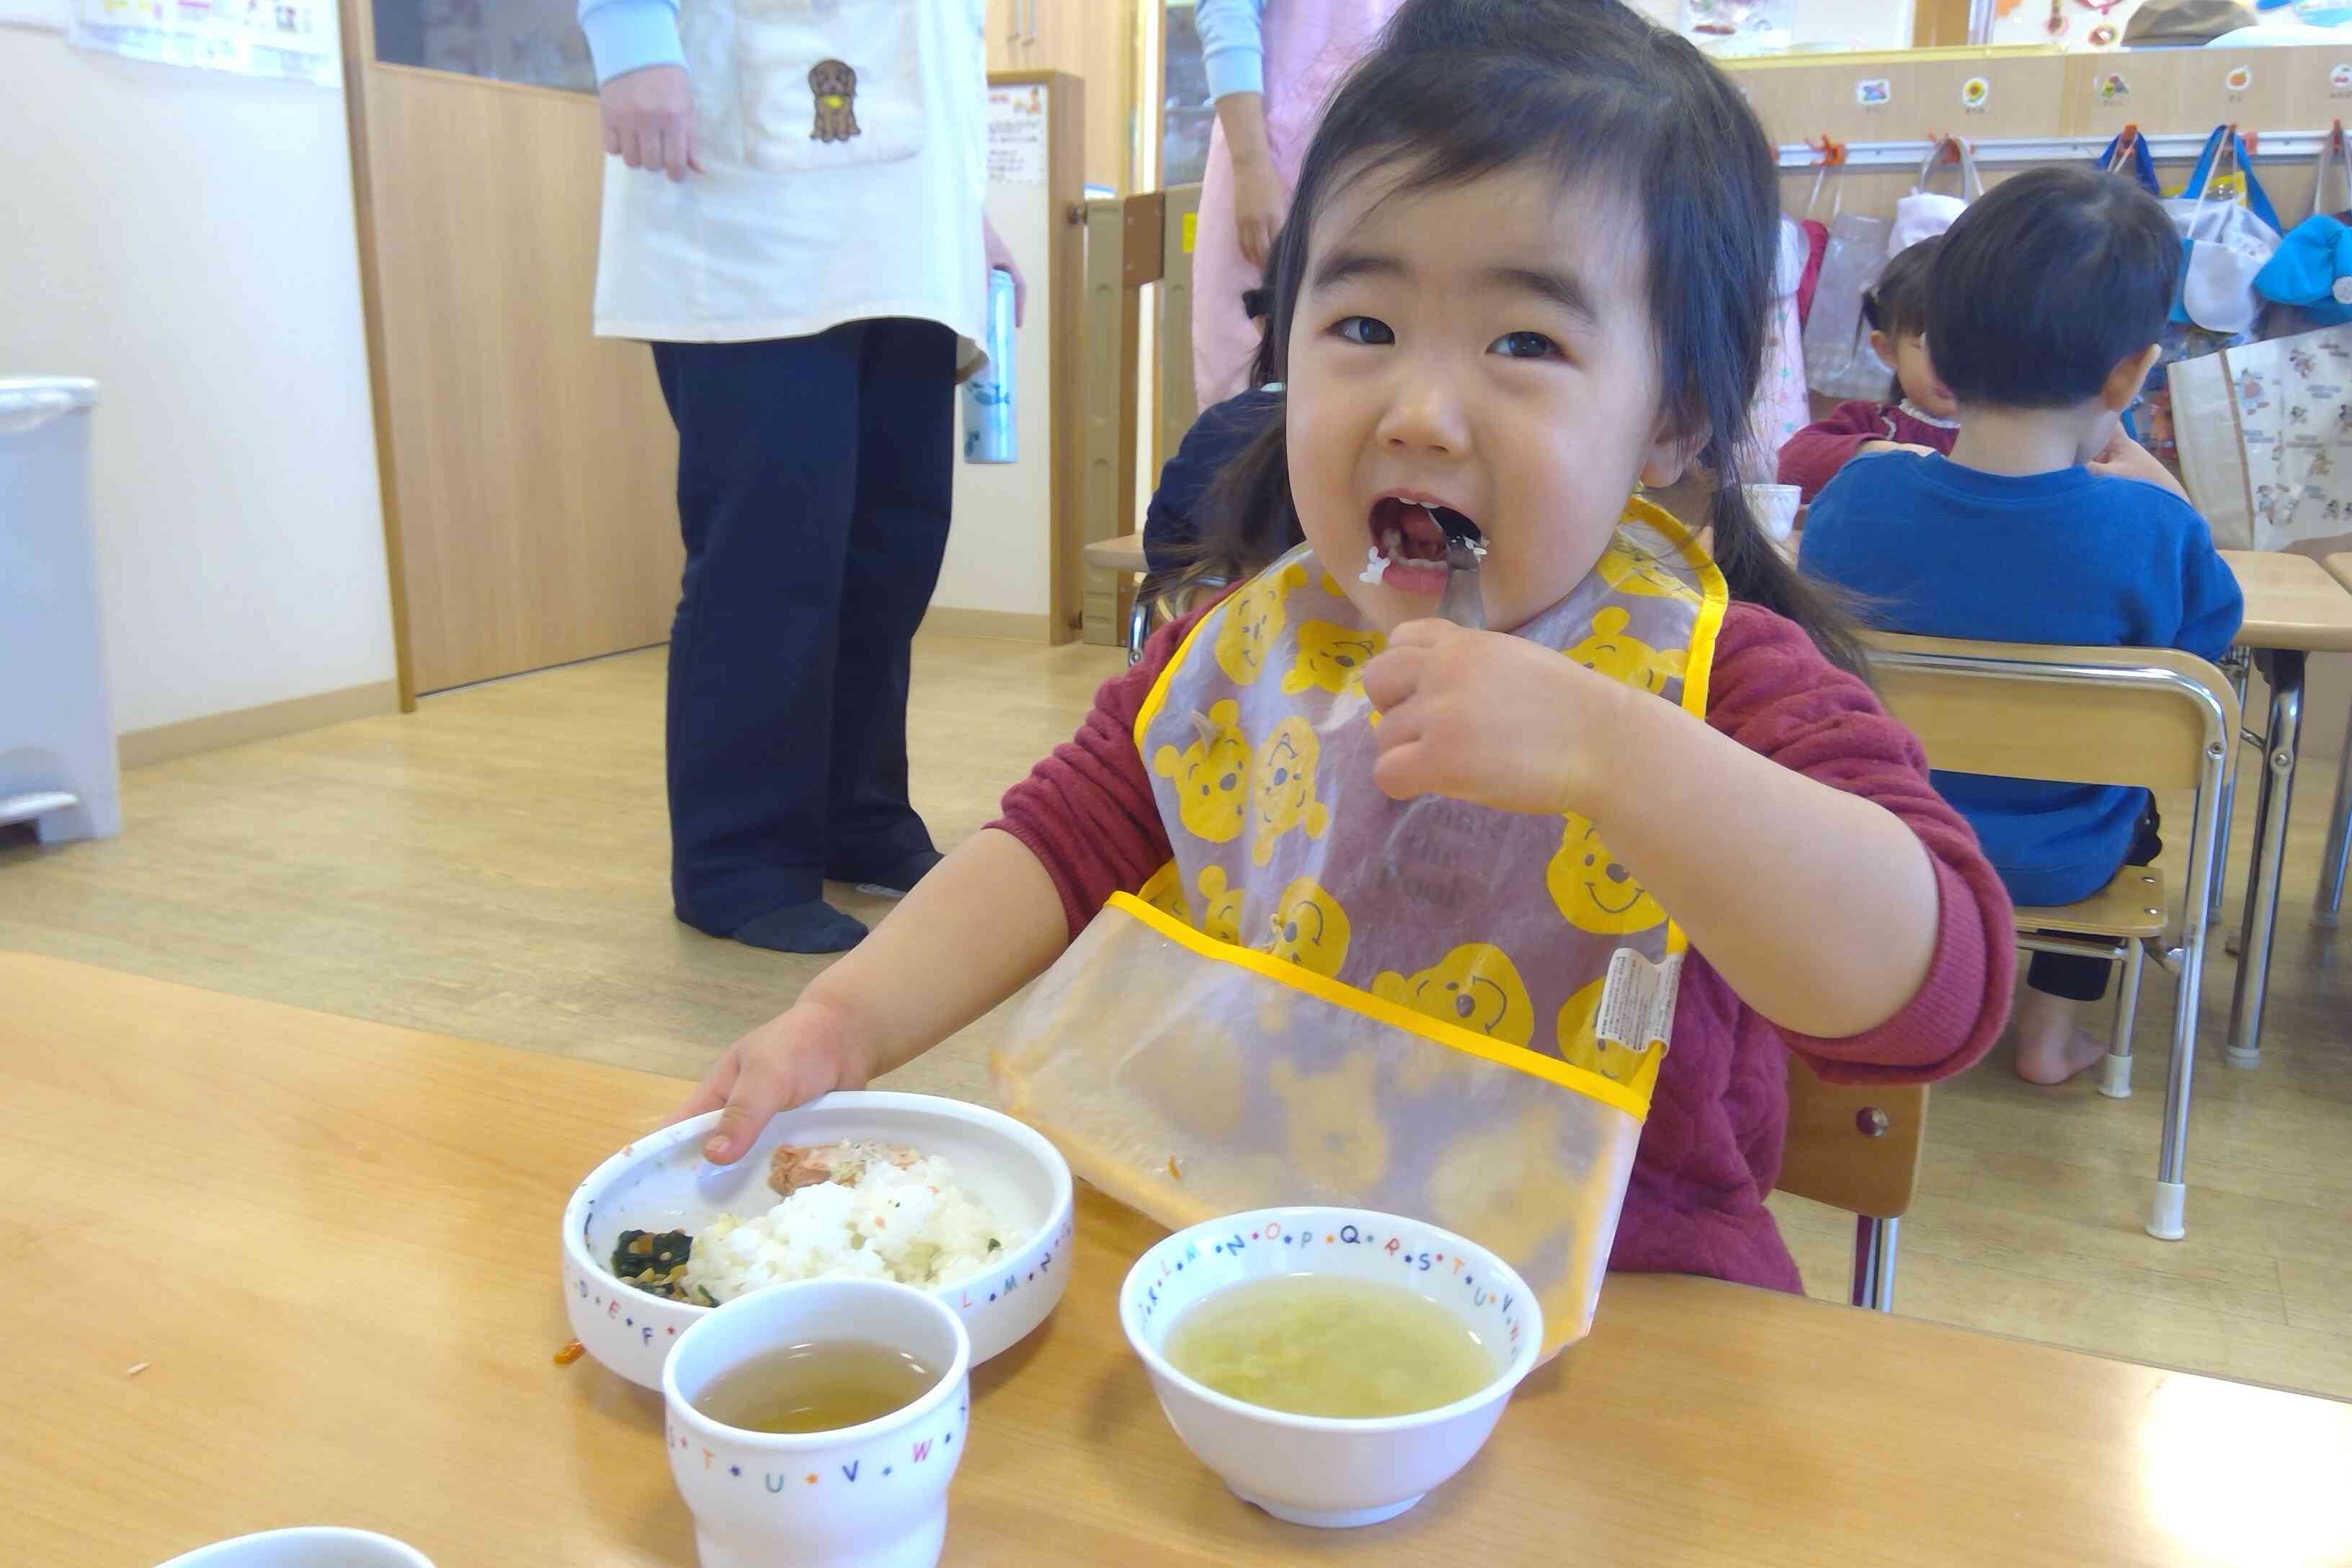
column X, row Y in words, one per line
column 912, row 1225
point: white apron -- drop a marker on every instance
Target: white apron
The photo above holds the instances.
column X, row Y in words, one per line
column 844, row 143
column 1329, row 996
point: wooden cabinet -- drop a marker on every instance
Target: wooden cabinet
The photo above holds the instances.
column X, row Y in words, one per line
column 1091, row 39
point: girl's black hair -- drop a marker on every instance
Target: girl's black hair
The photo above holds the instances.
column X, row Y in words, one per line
column 1460, row 88
column 1895, row 303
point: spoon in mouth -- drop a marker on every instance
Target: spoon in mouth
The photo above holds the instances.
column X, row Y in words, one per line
column 1462, row 603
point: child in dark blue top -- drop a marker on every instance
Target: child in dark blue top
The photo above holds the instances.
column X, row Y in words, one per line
column 1172, row 524
column 2046, row 524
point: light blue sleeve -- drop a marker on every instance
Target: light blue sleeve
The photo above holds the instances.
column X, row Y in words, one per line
column 1232, row 47
column 625, row 36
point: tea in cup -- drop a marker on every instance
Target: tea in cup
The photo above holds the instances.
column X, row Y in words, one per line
column 818, row 1424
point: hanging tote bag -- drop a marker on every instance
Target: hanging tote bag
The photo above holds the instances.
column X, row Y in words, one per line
column 2311, row 273
column 2228, row 231
column 2132, row 160
column 1817, row 240
column 1780, row 408
column 1839, row 362
column 1925, row 213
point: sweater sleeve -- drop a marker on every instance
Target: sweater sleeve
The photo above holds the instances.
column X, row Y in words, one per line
column 625, row 36
column 1232, row 47
column 1773, row 692
column 2212, row 605
column 1812, row 458
column 1088, row 812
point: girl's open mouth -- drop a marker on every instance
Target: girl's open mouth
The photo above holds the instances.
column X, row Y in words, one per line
column 1410, row 540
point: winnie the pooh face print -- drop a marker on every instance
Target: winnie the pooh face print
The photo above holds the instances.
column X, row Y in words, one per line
column 1220, row 914
column 1282, row 789
column 1593, row 892
column 1211, row 775
column 1621, row 657
column 1475, row 987
column 1310, row 928
column 1631, row 569
column 1580, row 1046
column 1332, row 657
column 1252, row 621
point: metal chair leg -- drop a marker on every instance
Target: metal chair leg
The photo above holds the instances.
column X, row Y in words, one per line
column 1139, row 628
column 2284, row 669
column 2115, row 1069
column 2329, row 905
column 2170, row 1201
column 2235, row 666
column 1875, row 1243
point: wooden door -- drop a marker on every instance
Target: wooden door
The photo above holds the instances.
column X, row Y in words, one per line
column 527, row 465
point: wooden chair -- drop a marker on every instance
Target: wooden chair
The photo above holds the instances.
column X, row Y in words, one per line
column 1857, row 1150
column 1123, row 558
column 2153, row 718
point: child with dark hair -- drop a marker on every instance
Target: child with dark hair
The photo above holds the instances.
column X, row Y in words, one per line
column 1219, row 433
column 2046, row 524
column 1525, row 272
column 1917, row 417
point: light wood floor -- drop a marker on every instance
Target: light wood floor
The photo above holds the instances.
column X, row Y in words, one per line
column 495, row 865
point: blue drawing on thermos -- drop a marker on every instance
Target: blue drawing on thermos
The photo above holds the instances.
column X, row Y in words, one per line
column 990, row 433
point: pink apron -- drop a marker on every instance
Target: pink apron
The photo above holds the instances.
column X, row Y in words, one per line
column 1309, row 45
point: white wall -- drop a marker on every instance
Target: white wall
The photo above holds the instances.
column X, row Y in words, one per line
column 1863, row 24
column 186, row 236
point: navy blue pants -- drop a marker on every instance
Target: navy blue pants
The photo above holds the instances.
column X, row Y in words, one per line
column 814, row 480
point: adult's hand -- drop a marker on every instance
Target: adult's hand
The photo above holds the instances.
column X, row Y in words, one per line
column 1000, row 255
column 649, row 120
column 1259, row 204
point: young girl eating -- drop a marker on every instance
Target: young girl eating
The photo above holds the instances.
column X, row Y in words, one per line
column 1430, row 915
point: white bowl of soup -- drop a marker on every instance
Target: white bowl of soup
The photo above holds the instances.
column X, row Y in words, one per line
column 1332, row 1365
column 659, row 1188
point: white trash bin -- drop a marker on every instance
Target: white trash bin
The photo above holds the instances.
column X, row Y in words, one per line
column 57, row 731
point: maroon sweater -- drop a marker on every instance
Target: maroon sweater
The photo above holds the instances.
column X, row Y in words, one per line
column 1810, row 458
column 1711, row 1148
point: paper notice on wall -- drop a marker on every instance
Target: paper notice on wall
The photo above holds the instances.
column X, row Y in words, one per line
column 293, row 39
column 1017, row 135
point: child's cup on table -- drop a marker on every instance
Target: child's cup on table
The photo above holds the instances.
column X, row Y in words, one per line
column 1775, row 506
column 819, row 1423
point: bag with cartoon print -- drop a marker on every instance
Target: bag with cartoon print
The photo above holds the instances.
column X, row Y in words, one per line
column 1429, row 1007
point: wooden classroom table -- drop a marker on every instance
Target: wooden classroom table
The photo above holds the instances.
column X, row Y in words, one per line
column 2293, row 609
column 331, row 1245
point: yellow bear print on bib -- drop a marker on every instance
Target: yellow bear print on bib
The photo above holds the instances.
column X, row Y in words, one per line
column 1332, row 657
column 1220, row 914
column 1611, row 652
column 1594, row 892
column 1282, row 793
column 1210, row 774
column 1254, row 621
column 1580, row 1046
column 1631, row 569
column 1476, row 987
column 1310, row 928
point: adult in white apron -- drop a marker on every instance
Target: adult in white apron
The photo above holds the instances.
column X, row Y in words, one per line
column 1272, row 65
column 793, row 219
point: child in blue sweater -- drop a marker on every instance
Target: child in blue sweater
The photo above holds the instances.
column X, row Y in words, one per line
column 2046, row 524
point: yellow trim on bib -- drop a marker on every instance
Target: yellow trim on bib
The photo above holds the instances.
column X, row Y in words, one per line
column 1576, row 1080
column 1157, row 697
column 1714, row 598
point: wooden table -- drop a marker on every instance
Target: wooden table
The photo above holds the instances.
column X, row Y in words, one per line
column 2294, row 608
column 331, row 1246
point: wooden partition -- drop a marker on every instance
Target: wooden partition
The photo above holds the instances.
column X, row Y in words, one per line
column 2040, row 107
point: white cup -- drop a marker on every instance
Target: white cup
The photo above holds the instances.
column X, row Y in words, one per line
column 1775, row 506
column 876, row 1495
column 315, row 1546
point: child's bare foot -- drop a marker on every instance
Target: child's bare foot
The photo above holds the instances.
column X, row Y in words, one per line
column 2052, row 1044
column 2078, row 1051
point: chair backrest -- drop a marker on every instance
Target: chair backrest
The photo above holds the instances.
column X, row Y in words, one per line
column 2156, row 718
column 1853, row 1149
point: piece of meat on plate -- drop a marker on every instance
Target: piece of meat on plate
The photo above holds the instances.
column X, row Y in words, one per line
column 793, row 1167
